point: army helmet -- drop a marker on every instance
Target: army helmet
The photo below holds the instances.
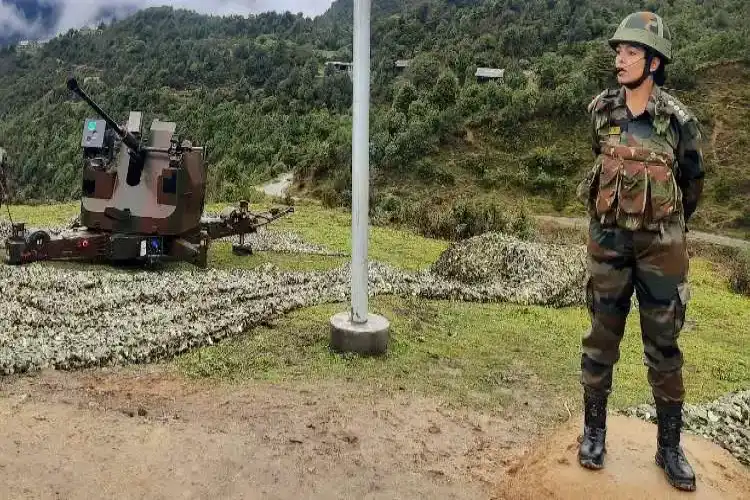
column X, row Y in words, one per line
column 648, row 29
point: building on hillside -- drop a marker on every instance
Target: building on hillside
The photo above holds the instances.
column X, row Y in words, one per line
column 487, row 74
column 339, row 65
column 90, row 30
column 402, row 64
column 27, row 46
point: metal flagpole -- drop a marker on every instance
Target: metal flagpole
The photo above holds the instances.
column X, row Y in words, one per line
column 358, row 331
column 360, row 159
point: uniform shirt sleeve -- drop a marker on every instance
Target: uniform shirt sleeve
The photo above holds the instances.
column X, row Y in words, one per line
column 691, row 171
column 595, row 146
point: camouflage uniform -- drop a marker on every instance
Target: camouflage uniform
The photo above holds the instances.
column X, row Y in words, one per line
column 645, row 185
column 637, row 235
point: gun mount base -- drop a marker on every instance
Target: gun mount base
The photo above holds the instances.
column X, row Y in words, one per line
column 25, row 246
column 83, row 244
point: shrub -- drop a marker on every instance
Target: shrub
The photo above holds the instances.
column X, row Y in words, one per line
column 464, row 219
column 739, row 279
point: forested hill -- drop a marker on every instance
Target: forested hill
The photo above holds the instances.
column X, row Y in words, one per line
column 257, row 92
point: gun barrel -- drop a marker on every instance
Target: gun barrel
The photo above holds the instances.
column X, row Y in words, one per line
column 130, row 141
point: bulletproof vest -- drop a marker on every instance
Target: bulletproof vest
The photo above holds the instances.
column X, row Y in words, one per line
column 634, row 181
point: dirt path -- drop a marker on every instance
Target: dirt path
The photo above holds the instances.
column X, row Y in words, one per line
column 715, row 239
column 145, row 434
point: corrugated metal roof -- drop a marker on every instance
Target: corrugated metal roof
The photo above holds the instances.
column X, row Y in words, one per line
column 490, row 73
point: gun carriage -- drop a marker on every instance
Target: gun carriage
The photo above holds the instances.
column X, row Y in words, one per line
column 141, row 200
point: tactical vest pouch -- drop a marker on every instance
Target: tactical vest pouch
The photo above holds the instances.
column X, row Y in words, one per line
column 639, row 181
column 633, row 187
column 608, row 185
column 664, row 192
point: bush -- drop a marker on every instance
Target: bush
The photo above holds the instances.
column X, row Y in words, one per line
column 464, row 219
column 430, row 173
column 739, row 279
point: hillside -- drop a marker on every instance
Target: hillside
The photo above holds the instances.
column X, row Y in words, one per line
column 257, row 92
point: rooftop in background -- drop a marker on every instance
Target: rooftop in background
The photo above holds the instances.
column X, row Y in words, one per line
column 489, row 73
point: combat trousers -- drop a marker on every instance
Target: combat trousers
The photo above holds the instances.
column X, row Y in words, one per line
column 655, row 266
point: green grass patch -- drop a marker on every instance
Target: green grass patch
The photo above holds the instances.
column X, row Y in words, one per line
column 332, row 228
column 41, row 215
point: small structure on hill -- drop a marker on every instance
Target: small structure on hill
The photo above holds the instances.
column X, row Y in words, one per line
column 402, row 64
column 339, row 66
column 487, row 74
column 27, row 46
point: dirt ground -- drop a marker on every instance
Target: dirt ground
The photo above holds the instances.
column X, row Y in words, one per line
column 143, row 433
column 146, row 434
column 550, row 471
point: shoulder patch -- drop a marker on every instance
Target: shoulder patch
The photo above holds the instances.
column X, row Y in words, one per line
column 600, row 102
column 671, row 105
column 596, row 99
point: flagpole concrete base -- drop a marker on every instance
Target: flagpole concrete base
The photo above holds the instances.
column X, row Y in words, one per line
column 370, row 338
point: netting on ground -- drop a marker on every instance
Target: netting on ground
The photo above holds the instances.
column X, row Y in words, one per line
column 71, row 317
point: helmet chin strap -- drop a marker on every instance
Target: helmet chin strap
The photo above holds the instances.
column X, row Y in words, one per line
column 644, row 76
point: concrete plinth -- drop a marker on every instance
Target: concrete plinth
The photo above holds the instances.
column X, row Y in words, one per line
column 367, row 338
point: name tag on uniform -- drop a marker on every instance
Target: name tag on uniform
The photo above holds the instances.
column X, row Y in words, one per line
column 614, row 130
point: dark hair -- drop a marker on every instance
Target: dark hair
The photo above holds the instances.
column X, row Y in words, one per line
column 660, row 75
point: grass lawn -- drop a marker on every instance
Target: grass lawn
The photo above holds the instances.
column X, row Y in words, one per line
column 472, row 354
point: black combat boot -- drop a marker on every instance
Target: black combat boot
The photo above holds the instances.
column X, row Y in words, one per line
column 669, row 454
column 592, row 449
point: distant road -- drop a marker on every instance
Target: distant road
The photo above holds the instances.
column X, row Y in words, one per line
column 582, row 223
column 279, row 186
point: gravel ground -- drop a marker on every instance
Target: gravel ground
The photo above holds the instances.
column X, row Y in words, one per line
column 725, row 421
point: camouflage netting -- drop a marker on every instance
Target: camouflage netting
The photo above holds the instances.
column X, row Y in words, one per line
column 725, row 421
column 518, row 271
column 71, row 317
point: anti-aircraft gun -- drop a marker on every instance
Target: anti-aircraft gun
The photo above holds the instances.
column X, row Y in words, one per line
column 140, row 201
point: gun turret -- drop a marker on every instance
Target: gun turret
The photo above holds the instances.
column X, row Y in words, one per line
column 137, row 153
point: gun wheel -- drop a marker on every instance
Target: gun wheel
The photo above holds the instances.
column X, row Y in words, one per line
column 38, row 240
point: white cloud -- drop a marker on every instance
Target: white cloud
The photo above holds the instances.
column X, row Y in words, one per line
column 78, row 13
column 12, row 21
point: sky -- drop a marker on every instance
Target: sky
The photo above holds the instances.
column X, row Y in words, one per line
column 78, row 13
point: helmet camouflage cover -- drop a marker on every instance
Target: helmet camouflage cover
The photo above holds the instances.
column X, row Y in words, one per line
column 645, row 28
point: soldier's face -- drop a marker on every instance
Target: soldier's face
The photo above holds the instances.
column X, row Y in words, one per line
column 629, row 62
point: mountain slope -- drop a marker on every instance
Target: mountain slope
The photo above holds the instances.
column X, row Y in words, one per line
column 257, row 93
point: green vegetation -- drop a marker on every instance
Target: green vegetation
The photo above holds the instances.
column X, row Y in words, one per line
column 740, row 275
column 257, row 93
